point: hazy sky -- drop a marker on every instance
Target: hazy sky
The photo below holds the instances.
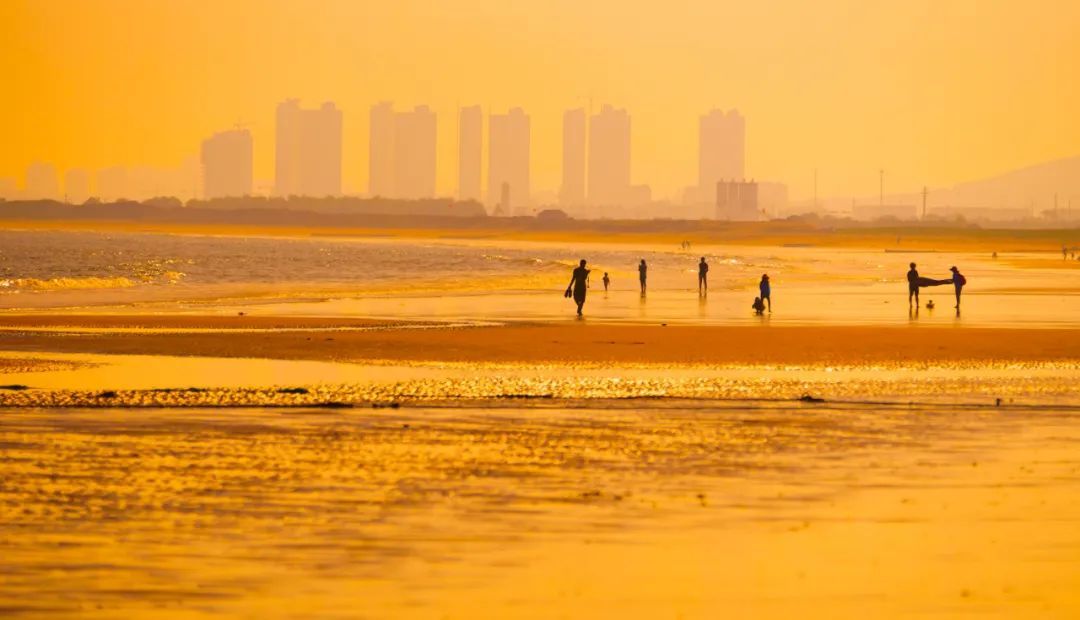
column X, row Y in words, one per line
column 935, row 92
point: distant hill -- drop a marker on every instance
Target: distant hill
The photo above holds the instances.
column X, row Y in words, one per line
column 1027, row 188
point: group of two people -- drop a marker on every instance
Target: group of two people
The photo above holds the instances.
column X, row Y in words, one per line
column 579, row 284
column 916, row 282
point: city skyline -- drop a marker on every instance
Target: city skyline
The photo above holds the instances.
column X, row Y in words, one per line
column 959, row 108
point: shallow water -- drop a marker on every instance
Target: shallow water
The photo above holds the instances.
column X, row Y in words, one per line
column 685, row 511
column 504, row 280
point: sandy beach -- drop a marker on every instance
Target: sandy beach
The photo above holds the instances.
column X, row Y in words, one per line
column 368, row 340
column 196, row 445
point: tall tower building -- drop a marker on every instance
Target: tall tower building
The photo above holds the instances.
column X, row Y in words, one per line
column 572, row 192
column 414, row 154
column 227, row 164
column 381, row 151
column 721, row 149
column 470, row 147
column 308, row 150
column 76, row 186
column 112, row 184
column 42, row 182
column 609, row 157
column 508, row 161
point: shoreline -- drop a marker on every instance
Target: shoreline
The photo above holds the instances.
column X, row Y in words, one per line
column 780, row 233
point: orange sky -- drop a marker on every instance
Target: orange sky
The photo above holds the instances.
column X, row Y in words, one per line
column 934, row 92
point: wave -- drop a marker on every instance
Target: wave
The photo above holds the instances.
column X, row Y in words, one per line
column 59, row 284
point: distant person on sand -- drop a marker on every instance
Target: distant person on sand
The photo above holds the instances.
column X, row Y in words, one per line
column 958, row 281
column 579, row 284
column 643, row 273
column 912, row 285
column 759, row 306
column 607, row 281
column 702, row 275
column 766, row 291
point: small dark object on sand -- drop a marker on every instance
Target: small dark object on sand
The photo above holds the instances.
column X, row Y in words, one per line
column 299, row 390
column 806, row 398
column 107, row 394
column 15, row 387
column 240, row 313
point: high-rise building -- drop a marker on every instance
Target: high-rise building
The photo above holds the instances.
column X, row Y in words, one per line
column 572, row 192
column 381, row 151
column 227, row 164
column 112, row 184
column 308, row 150
column 42, row 182
column 508, row 161
column 470, row 147
column 414, row 154
column 609, row 157
column 76, row 186
column 721, row 149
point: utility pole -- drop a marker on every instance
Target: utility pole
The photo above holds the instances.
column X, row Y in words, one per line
column 881, row 188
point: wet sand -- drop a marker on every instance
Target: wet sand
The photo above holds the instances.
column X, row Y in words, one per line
column 844, row 459
column 362, row 340
column 687, row 510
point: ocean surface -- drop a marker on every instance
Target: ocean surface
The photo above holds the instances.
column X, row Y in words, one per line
column 502, row 280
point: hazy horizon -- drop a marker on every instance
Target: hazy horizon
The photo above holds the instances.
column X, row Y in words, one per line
column 926, row 92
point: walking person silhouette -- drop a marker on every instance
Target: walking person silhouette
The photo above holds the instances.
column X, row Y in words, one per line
column 579, row 285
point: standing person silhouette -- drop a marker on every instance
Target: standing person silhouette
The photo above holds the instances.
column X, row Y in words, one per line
column 607, row 281
column 958, row 281
column 912, row 285
column 579, row 285
column 702, row 276
column 766, row 291
column 643, row 273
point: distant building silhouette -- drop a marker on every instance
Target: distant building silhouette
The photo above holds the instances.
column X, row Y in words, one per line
column 9, row 188
column 112, row 184
column 227, row 164
column 308, row 150
column 508, row 161
column 42, row 182
column 721, row 149
column 737, row 201
column 772, row 198
column 470, row 152
column 609, row 156
column 572, row 192
column 76, row 186
column 414, row 153
column 381, row 151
